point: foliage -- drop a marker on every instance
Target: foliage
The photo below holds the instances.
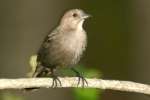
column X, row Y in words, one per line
column 88, row 93
column 10, row 96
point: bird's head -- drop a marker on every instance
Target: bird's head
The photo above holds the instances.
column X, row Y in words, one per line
column 73, row 19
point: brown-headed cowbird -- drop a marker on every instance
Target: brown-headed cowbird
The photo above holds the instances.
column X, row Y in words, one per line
column 63, row 46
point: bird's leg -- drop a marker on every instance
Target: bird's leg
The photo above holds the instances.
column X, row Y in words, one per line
column 80, row 78
column 56, row 80
column 38, row 71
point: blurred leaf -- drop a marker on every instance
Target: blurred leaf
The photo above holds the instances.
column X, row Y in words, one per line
column 88, row 93
column 33, row 65
column 10, row 96
column 89, row 73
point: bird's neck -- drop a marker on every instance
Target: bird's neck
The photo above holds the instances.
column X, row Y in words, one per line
column 75, row 27
column 80, row 26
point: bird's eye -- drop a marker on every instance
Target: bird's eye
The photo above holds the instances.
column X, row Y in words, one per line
column 75, row 14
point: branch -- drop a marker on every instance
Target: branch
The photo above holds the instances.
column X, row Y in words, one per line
column 72, row 82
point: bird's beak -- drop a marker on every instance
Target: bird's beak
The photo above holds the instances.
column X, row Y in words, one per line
column 85, row 16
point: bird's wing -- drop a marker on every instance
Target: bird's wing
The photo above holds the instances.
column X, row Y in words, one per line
column 46, row 43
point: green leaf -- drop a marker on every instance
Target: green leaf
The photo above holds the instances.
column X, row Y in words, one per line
column 87, row 94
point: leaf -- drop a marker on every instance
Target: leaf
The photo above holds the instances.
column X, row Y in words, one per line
column 33, row 64
column 88, row 93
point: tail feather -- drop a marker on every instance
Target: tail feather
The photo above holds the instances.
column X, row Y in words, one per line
column 39, row 72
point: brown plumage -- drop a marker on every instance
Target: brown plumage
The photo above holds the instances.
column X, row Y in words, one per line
column 63, row 46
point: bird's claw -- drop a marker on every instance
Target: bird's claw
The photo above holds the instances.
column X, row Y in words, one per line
column 82, row 80
column 56, row 82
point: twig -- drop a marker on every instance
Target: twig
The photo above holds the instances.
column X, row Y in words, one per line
column 127, row 86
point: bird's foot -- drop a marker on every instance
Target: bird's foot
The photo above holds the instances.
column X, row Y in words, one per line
column 82, row 80
column 56, row 82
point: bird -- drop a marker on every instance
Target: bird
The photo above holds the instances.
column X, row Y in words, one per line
column 63, row 47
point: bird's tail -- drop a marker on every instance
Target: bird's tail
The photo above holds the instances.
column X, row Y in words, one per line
column 39, row 72
column 36, row 71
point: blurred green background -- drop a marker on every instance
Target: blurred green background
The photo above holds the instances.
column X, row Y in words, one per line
column 118, row 43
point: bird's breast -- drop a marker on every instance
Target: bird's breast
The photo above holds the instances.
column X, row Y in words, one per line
column 75, row 40
column 74, row 44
